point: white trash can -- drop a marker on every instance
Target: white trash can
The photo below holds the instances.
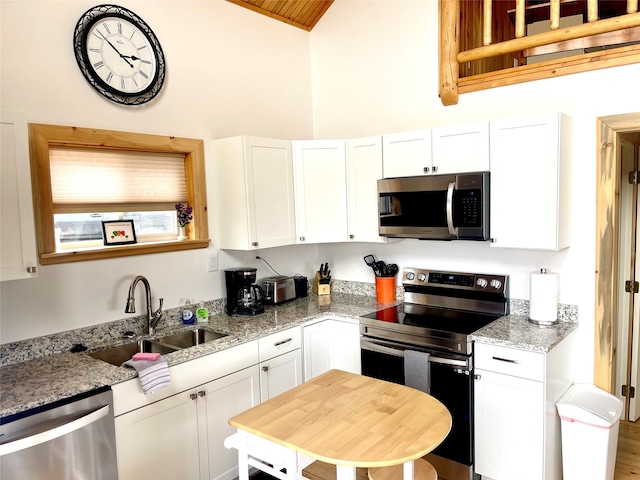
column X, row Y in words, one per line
column 589, row 420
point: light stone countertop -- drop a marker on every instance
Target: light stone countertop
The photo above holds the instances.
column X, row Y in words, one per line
column 31, row 379
column 36, row 382
column 517, row 331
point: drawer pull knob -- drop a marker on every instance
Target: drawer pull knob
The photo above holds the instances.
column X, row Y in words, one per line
column 508, row 360
column 277, row 344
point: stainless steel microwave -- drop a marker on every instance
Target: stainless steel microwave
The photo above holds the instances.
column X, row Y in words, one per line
column 435, row 207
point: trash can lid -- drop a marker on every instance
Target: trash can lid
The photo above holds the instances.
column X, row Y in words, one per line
column 586, row 403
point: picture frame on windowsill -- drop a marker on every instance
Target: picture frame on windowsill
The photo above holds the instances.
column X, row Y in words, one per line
column 119, row 232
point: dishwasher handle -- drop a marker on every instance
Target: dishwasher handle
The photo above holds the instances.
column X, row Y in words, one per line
column 52, row 433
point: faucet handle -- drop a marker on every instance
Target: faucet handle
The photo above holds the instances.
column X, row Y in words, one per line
column 157, row 315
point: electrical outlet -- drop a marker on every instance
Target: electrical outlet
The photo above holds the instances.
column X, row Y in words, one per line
column 212, row 262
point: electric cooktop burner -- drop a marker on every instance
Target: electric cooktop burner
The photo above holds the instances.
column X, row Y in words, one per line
column 441, row 309
column 456, row 321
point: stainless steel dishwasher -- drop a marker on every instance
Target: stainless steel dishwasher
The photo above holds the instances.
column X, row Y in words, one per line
column 71, row 439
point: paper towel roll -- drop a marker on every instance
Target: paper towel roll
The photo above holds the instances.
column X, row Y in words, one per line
column 543, row 297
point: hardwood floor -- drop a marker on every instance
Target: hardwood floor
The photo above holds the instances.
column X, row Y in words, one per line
column 627, row 458
column 628, row 455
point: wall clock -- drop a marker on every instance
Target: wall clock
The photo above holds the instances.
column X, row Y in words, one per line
column 119, row 55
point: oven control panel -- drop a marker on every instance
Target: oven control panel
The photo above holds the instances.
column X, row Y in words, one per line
column 417, row 277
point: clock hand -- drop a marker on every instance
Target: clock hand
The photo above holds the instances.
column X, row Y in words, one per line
column 112, row 46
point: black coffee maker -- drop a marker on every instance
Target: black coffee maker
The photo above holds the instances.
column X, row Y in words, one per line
column 243, row 297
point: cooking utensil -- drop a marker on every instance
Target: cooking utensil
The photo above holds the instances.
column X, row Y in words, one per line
column 380, row 266
column 370, row 260
column 392, row 270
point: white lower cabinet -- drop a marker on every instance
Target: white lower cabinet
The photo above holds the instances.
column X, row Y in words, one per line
column 280, row 363
column 179, row 432
column 329, row 344
column 517, row 429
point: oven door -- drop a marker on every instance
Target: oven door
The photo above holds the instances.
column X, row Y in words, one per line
column 451, row 383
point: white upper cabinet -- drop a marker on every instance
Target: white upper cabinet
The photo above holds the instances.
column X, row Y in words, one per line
column 364, row 169
column 320, row 168
column 531, row 182
column 256, row 207
column 461, row 148
column 18, row 255
column 407, row 154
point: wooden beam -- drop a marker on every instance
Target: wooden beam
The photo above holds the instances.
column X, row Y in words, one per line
column 554, row 15
column 632, row 6
column 487, row 22
column 520, row 25
column 569, row 33
column 449, row 70
column 592, row 10
column 628, row 35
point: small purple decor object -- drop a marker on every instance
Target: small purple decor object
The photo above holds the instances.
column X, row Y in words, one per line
column 184, row 214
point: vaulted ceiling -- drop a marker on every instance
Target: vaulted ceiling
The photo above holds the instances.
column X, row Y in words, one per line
column 303, row 14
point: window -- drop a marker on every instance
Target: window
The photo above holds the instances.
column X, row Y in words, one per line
column 84, row 176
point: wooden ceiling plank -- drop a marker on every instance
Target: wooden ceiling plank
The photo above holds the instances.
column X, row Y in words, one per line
column 303, row 14
column 245, row 4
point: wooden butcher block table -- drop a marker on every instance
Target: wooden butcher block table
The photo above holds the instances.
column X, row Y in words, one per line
column 343, row 419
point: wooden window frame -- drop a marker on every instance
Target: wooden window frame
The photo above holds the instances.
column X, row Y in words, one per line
column 450, row 56
column 43, row 137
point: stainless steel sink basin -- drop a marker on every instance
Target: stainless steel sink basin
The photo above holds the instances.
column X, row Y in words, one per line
column 119, row 355
column 191, row 338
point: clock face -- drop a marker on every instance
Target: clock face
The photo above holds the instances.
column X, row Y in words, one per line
column 119, row 55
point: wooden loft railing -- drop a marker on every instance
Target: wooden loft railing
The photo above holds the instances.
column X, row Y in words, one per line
column 627, row 26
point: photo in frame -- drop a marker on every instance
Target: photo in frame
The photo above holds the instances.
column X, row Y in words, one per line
column 118, row 232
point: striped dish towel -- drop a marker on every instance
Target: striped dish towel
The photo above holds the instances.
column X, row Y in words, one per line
column 153, row 374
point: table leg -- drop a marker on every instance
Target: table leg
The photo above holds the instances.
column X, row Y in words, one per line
column 407, row 470
column 345, row 472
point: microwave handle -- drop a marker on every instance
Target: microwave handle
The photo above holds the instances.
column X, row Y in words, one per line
column 452, row 230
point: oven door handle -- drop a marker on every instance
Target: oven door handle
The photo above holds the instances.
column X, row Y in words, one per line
column 396, row 352
column 452, row 230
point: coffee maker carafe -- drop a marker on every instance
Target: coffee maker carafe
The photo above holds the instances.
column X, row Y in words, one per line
column 243, row 296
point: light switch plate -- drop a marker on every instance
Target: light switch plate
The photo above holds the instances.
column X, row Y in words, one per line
column 212, row 262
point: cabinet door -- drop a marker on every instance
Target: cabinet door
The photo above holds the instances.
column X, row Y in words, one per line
column 509, row 426
column 530, row 185
column 321, row 191
column 406, row 154
column 280, row 374
column 272, row 206
column 159, row 440
column 331, row 344
column 461, row 148
column 364, row 161
column 18, row 257
column 224, row 398
column 254, row 192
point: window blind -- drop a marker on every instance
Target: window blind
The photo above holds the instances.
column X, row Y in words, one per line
column 85, row 179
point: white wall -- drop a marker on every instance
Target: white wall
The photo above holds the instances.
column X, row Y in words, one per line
column 230, row 71
column 375, row 67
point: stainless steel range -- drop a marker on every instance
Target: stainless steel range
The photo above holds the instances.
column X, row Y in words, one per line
column 440, row 312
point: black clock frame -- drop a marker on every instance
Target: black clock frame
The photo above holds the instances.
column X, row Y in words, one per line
column 91, row 17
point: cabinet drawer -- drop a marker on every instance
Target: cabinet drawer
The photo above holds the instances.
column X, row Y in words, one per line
column 279, row 343
column 510, row 361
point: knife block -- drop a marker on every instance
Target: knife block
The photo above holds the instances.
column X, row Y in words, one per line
column 320, row 288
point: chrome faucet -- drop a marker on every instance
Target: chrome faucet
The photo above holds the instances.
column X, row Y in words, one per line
column 152, row 317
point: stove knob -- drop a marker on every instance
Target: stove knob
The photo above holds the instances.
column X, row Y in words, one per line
column 411, row 275
column 422, row 277
column 481, row 282
column 495, row 283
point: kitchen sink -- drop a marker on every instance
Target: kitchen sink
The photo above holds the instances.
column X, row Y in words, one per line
column 191, row 338
column 120, row 354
